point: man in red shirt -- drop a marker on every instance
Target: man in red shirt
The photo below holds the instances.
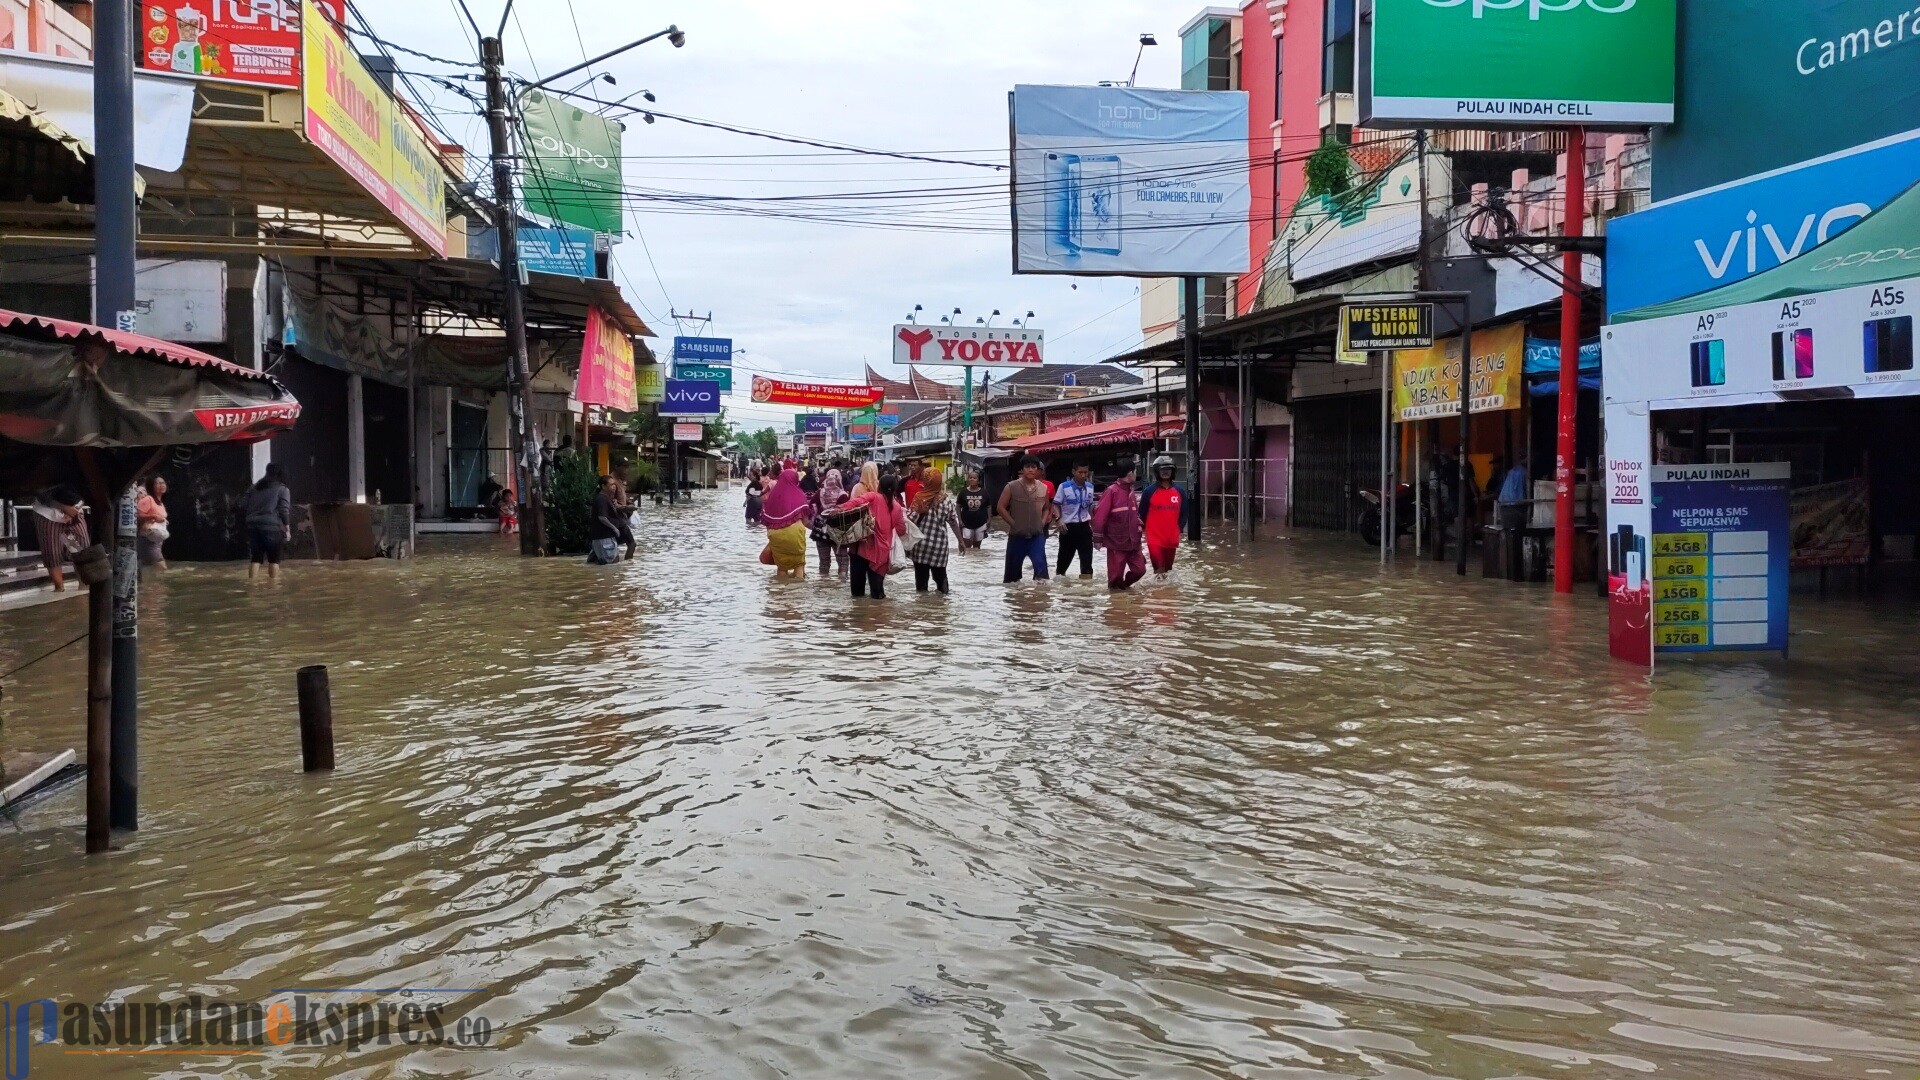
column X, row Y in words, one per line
column 1163, row 507
column 914, row 481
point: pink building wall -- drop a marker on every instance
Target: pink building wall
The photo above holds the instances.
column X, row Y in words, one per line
column 1257, row 77
column 1291, row 28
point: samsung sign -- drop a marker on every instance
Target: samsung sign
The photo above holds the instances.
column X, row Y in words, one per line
column 1723, row 235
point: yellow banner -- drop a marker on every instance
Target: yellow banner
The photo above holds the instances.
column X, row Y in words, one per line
column 1426, row 382
column 355, row 122
column 650, row 383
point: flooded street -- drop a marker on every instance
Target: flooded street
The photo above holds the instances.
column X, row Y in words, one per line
column 1287, row 818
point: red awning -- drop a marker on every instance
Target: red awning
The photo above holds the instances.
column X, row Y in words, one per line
column 1112, row 432
column 67, row 383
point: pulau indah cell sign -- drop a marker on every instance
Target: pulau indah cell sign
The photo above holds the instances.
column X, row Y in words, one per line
column 960, row 346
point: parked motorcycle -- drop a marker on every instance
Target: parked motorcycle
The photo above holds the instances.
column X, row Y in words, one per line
column 1370, row 513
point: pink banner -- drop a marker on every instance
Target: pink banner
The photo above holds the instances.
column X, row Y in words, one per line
column 606, row 365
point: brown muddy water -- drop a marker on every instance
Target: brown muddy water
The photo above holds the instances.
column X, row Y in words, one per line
column 1285, row 818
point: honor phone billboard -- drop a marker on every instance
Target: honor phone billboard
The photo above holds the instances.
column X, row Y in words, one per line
column 1120, row 180
column 1525, row 63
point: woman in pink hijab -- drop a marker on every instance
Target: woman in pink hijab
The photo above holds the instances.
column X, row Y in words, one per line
column 785, row 513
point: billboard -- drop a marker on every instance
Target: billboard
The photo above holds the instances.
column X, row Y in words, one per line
column 712, row 373
column 695, row 399
column 1719, row 557
column 573, row 166
column 814, row 423
column 1716, row 237
column 814, row 395
column 704, row 350
column 650, row 383
column 1525, row 63
column 1330, row 233
column 1120, row 180
column 960, row 346
column 1767, row 84
column 256, row 41
column 689, row 432
column 355, row 122
column 1426, row 382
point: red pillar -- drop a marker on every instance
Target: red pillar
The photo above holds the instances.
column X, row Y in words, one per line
column 1566, row 445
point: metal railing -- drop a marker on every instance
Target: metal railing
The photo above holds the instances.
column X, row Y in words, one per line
column 1230, row 489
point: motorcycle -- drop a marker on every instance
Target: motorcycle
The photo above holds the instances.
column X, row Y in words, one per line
column 1370, row 513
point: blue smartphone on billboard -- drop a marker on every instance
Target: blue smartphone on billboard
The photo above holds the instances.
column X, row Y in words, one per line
column 1708, row 363
column 1889, row 344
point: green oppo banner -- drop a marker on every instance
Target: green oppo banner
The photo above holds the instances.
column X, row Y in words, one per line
column 1525, row 63
column 573, row 163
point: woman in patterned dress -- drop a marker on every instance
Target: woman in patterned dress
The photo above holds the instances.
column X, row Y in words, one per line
column 937, row 515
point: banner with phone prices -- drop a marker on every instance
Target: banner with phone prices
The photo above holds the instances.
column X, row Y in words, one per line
column 1721, row 557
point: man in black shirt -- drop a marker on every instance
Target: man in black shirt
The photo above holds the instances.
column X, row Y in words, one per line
column 975, row 510
column 603, row 529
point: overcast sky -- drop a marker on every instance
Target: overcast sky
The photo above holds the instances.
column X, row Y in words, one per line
column 812, row 299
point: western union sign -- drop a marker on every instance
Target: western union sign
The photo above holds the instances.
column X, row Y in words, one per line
column 1372, row 327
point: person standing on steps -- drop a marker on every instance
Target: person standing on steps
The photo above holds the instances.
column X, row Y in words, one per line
column 1025, row 507
column 1073, row 504
column 1163, row 509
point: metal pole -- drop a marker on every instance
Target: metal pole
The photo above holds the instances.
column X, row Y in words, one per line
column 125, row 734
column 93, row 566
column 526, row 443
column 1386, row 422
column 116, row 224
column 1567, row 443
column 966, row 421
column 116, row 210
column 1467, row 497
column 1419, row 492
column 1194, row 514
column 1243, row 529
column 316, row 718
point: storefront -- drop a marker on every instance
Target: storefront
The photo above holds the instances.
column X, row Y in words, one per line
column 1761, row 429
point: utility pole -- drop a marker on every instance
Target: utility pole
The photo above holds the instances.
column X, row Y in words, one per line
column 116, row 224
column 526, row 442
column 1567, row 445
column 1194, row 513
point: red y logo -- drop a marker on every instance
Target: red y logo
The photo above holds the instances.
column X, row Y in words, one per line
column 916, row 340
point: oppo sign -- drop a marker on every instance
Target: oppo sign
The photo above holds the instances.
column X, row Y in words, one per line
column 1535, row 63
column 1536, row 7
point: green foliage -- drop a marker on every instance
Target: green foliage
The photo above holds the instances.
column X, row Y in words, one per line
column 765, row 442
column 571, row 486
column 643, row 477
column 1329, row 170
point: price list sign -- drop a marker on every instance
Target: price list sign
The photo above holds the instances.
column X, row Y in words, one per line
column 1721, row 555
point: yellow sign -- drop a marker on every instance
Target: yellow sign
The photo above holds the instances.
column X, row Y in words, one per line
column 1426, row 382
column 1681, row 636
column 1679, row 566
column 354, row 121
column 1680, row 544
column 1379, row 327
column 650, row 382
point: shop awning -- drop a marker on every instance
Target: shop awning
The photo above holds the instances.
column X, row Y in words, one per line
column 1110, row 433
column 71, row 384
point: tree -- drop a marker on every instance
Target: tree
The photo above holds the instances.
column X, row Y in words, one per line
column 1329, row 170
column 766, row 442
column 571, row 486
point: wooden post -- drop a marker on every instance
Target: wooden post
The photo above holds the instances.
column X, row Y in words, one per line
column 95, row 570
column 316, row 719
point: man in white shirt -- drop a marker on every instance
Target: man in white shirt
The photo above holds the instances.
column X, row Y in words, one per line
column 1074, row 502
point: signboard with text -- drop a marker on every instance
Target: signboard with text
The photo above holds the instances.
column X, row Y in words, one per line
column 704, row 350
column 1426, row 382
column 1529, row 63
column 688, row 432
column 650, row 383
column 695, row 399
column 1720, row 557
column 961, row 346
column 355, row 122
column 606, row 365
column 814, row 395
column 256, row 41
column 1377, row 327
column 723, row 376
column 1127, row 180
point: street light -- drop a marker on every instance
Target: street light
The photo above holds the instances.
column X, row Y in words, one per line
column 671, row 33
column 1145, row 40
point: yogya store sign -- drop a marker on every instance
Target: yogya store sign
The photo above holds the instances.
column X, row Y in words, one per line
column 957, row 346
column 356, row 123
column 814, row 395
column 1426, row 382
column 606, row 365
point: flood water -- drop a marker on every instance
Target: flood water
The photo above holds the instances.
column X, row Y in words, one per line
column 1286, row 818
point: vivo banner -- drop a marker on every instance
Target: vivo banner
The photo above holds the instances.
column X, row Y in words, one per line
column 956, row 346
column 1722, row 235
column 1119, row 180
column 695, row 399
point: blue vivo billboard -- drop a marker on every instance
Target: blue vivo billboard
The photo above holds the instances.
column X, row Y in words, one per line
column 1119, row 180
column 685, row 398
column 704, row 350
column 1722, row 235
column 817, row 423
